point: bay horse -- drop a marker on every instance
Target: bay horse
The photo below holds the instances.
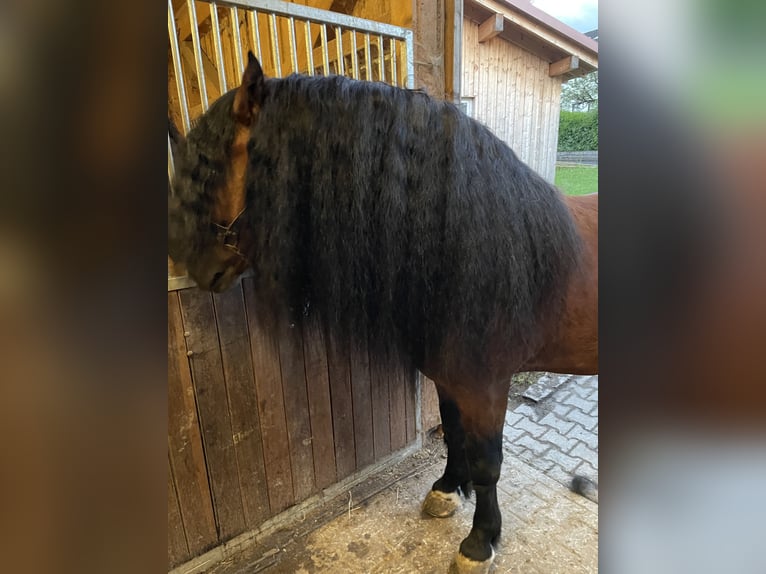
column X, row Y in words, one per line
column 394, row 217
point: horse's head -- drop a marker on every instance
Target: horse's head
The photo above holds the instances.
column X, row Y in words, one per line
column 208, row 227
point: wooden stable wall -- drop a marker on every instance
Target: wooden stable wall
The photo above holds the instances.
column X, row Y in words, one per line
column 510, row 91
column 257, row 424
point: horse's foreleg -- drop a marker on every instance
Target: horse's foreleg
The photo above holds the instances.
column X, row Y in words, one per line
column 482, row 415
column 444, row 497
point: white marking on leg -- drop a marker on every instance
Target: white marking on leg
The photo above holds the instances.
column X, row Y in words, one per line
column 464, row 565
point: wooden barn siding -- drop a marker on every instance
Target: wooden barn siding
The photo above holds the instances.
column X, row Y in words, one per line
column 257, row 423
column 514, row 96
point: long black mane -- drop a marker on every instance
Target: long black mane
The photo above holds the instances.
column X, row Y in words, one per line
column 395, row 216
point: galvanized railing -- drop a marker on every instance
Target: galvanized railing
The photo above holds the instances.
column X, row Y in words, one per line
column 209, row 41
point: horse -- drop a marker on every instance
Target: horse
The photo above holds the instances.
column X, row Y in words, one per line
column 391, row 216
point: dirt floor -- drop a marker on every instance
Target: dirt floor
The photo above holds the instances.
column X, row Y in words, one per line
column 377, row 526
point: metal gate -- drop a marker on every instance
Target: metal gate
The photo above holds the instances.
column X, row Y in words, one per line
column 209, row 42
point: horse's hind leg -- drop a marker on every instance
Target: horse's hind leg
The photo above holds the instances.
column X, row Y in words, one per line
column 444, row 497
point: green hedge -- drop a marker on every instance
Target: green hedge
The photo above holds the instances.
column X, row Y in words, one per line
column 578, row 131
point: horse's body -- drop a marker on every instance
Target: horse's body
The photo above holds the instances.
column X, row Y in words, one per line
column 573, row 347
column 395, row 217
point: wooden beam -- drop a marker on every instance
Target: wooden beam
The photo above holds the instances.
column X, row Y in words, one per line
column 453, row 49
column 538, row 31
column 490, row 28
column 563, row 66
column 428, row 25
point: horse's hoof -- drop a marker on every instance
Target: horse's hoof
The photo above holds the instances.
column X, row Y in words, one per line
column 464, row 565
column 441, row 504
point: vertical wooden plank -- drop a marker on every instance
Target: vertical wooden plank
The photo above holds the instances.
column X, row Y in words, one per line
column 187, row 457
column 500, row 91
column 410, row 402
column 398, row 411
column 320, row 408
column 271, row 407
column 213, row 406
column 381, row 420
column 430, row 405
column 470, row 64
column 362, row 399
column 178, row 550
column 542, row 76
column 296, row 409
column 342, row 408
column 245, row 422
column 529, row 97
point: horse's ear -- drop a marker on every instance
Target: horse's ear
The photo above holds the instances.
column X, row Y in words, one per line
column 250, row 93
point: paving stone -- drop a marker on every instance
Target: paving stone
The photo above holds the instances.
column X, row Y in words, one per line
column 526, row 411
column 588, row 437
column 561, row 410
column 513, row 417
column 560, row 424
column 566, row 462
column 559, row 441
column 531, row 427
column 560, row 475
column 512, row 434
column 541, row 463
column 584, row 453
column 536, row 446
column 544, row 387
column 576, row 401
column 587, row 470
column 582, row 391
column 587, row 421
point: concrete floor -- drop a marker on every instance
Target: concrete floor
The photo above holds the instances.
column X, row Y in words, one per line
column 380, row 529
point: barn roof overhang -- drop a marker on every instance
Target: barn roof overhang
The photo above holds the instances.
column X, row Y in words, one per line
column 569, row 53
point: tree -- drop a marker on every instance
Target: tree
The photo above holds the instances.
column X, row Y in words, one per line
column 580, row 94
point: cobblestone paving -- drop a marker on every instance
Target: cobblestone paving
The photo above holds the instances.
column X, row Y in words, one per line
column 559, row 434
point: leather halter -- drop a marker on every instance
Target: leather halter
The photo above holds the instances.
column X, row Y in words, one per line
column 228, row 236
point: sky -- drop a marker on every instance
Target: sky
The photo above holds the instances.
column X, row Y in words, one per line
column 582, row 15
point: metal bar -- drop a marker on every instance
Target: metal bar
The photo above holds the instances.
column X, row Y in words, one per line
column 301, row 12
column 381, row 59
column 275, row 45
column 293, row 46
column 354, row 56
column 367, row 59
column 394, row 77
column 217, row 45
column 178, row 70
column 410, row 59
column 234, row 20
column 339, row 48
column 252, row 18
column 171, row 162
column 185, row 282
column 197, row 53
column 325, row 55
column 182, row 282
column 309, row 49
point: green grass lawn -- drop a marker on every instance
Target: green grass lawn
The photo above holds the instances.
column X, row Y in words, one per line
column 577, row 180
